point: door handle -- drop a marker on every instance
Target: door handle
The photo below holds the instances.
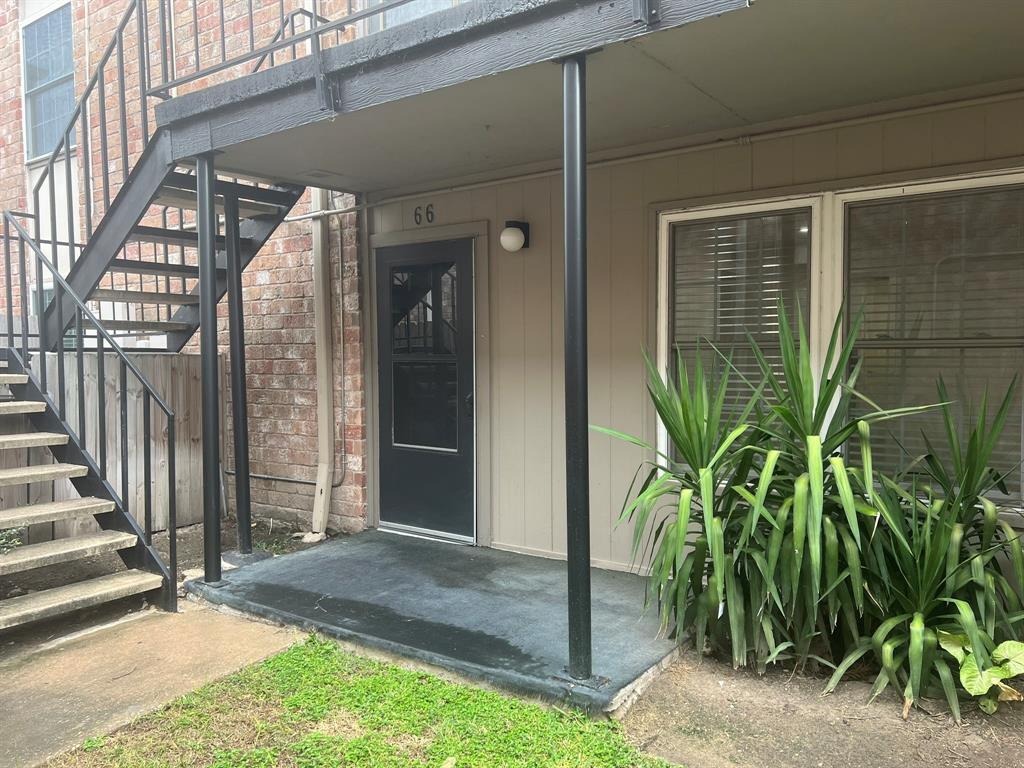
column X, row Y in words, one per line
column 468, row 401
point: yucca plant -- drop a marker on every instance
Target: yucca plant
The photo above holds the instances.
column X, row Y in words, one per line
column 750, row 523
column 764, row 542
column 934, row 568
column 681, row 505
column 818, row 574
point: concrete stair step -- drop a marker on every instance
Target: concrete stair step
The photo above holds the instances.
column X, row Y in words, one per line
column 40, row 474
column 13, row 378
column 36, row 606
column 21, row 406
column 52, row 511
column 176, row 237
column 32, row 440
column 31, row 556
column 179, row 191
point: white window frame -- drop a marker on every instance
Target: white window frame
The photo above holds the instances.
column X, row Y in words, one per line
column 827, row 254
column 664, row 300
column 378, row 22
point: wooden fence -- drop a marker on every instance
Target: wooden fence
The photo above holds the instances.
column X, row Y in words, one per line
column 176, row 378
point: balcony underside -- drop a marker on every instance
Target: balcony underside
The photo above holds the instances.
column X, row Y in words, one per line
column 487, row 101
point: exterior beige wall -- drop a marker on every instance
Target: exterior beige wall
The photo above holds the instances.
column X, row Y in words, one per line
column 524, row 505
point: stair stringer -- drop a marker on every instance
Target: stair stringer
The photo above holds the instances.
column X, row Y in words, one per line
column 254, row 233
column 126, row 210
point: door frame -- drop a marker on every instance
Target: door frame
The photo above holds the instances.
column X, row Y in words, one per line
column 477, row 232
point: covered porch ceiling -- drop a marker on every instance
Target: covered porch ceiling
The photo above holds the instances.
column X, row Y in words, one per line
column 777, row 64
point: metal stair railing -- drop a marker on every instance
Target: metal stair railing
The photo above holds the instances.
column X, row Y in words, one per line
column 121, row 124
column 90, row 338
column 160, row 48
column 229, row 42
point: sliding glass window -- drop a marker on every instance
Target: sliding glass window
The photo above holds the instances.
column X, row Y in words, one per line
column 940, row 278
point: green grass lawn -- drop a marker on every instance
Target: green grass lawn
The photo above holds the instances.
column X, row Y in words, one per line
column 316, row 706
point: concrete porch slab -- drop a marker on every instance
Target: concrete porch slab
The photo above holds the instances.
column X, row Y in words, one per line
column 495, row 616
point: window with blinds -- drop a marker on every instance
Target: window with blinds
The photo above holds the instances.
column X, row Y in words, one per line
column 940, row 279
column 49, row 79
column 728, row 275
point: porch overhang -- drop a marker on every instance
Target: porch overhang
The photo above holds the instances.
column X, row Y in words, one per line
column 470, row 95
column 471, row 41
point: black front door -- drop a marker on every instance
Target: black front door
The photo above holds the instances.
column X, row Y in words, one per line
column 425, row 353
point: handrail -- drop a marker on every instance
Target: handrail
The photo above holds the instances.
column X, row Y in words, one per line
column 80, row 126
column 87, row 91
column 314, row 34
column 122, row 123
column 288, row 21
column 116, row 109
column 33, row 361
column 87, row 313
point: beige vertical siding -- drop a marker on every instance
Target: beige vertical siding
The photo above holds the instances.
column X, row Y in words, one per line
column 525, row 304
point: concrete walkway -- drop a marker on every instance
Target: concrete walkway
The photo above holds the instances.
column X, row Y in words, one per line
column 54, row 697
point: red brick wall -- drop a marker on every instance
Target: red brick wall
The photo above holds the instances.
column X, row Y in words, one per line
column 12, row 169
column 277, row 286
column 280, row 353
column 12, row 166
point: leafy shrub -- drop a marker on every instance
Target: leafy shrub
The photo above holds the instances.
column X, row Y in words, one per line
column 771, row 536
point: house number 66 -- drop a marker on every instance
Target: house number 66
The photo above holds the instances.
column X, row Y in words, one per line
column 421, row 214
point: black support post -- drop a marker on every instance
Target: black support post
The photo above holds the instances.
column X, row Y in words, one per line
column 239, row 403
column 577, row 464
column 207, row 230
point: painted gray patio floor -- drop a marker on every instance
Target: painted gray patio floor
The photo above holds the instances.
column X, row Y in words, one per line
column 495, row 616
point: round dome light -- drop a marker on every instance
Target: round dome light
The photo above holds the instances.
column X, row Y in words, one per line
column 512, row 239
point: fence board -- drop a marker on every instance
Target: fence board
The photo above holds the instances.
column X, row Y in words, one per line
column 177, row 378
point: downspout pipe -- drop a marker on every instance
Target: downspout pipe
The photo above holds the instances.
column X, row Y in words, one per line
column 327, row 479
column 324, row 339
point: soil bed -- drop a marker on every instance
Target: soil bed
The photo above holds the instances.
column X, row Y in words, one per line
column 703, row 714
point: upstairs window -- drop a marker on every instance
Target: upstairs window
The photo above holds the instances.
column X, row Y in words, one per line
column 408, row 12
column 49, row 80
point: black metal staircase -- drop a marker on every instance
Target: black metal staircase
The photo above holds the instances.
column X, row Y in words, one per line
column 115, row 212
column 139, row 268
column 108, row 257
column 38, row 382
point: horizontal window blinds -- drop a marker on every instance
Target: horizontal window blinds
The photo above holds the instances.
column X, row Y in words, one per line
column 728, row 275
column 940, row 280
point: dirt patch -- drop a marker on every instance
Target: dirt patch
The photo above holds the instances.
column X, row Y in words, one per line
column 341, row 723
column 702, row 714
column 412, row 746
